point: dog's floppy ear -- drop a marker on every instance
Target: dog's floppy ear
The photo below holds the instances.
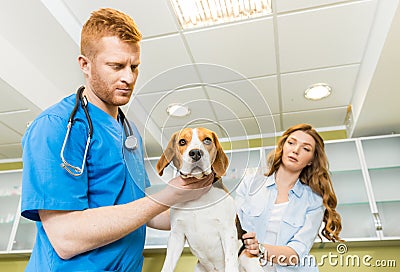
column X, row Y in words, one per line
column 221, row 160
column 167, row 156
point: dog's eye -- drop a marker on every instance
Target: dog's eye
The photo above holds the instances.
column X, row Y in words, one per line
column 182, row 142
column 207, row 141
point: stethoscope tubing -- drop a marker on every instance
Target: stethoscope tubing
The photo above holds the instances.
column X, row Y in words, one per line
column 130, row 143
column 75, row 170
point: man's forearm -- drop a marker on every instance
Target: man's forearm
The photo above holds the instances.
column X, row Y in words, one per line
column 75, row 232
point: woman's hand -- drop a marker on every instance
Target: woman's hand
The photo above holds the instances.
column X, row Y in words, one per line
column 251, row 243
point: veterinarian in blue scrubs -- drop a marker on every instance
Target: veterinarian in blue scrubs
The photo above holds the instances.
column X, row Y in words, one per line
column 84, row 176
column 282, row 211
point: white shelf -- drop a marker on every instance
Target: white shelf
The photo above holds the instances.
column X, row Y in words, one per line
column 389, row 214
column 357, row 221
column 342, row 156
column 382, row 152
column 385, row 183
column 346, row 184
column 25, row 235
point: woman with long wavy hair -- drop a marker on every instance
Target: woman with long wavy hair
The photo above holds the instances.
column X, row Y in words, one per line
column 283, row 210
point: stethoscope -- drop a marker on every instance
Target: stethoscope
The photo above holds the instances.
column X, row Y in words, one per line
column 131, row 142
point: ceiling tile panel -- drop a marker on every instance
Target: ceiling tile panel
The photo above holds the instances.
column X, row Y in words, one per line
column 269, row 90
column 165, row 65
column 18, row 121
column 152, row 17
column 246, row 48
column 317, row 118
column 157, row 105
column 324, row 37
column 9, row 135
column 341, row 79
column 11, row 100
column 246, row 127
column 247, row 98
column 290, row 5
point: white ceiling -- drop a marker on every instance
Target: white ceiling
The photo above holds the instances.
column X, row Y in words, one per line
column 243, row 80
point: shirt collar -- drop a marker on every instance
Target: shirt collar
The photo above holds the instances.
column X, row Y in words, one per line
column 297, row 188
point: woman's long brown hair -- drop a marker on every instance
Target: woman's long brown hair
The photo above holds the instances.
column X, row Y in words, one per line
column 316, row 176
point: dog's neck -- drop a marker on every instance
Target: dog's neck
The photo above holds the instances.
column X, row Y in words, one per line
column 217, row 183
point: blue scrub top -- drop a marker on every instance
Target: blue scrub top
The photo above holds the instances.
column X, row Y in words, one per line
column 106, row 181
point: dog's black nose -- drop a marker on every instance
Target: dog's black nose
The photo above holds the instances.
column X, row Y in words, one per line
column 195, row 154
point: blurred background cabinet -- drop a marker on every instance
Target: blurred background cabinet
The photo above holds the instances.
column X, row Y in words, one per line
column 365, row 174
column 382, row 159
column 17, row 235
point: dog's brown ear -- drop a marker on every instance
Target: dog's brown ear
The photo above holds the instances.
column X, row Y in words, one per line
column 221, row 160
column 167, row 156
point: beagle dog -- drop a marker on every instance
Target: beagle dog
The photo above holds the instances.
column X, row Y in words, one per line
column 207, row 224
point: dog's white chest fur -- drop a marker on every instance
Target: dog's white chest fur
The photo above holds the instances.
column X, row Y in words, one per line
column 208, row 226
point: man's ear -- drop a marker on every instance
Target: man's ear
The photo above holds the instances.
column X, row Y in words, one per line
column 84, row 64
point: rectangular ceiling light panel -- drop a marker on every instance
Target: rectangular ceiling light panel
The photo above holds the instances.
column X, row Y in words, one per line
column 199, row 13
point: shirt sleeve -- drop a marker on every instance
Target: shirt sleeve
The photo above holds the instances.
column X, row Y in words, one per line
column 45, row 184
column 305, row 237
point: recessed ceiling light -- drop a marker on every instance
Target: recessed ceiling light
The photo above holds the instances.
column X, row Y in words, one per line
column 198, row 13
column 178, row 110
column 317, row 91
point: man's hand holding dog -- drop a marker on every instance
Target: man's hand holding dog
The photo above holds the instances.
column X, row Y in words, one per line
column 180, row 190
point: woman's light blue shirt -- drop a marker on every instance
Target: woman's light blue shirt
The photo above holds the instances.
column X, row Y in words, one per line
column 300, row 224
column 106, row 181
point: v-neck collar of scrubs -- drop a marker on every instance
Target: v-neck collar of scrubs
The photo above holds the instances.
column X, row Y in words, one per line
column 102, row 116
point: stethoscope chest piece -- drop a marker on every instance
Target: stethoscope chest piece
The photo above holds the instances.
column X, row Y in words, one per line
column 131, row 142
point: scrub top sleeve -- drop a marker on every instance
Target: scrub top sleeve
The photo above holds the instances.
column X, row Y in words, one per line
column 45, row 184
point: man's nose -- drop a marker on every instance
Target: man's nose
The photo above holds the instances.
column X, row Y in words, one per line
column 128, row 75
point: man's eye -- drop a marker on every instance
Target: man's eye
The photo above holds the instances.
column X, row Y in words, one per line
column 182, row 142
column 116, row 66
column 207, row 141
